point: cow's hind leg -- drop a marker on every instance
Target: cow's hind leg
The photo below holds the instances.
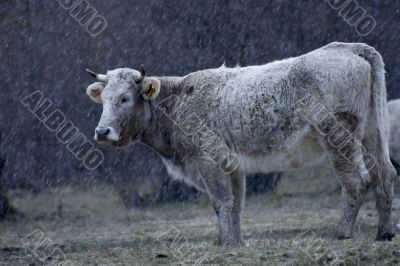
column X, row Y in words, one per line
column 344, row 150
column 354, row 177
column 382, row 174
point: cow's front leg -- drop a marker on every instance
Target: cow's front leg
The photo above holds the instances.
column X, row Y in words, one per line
column 219, row 188
column 222, row 200
column 224, row 223
column 239, row 194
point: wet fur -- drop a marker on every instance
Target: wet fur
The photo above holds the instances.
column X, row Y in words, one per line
column 254, row 113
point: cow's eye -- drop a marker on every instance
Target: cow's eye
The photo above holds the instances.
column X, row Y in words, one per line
column 124, row 99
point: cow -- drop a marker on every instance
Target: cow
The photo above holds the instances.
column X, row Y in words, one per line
column 212, row 127
column 394, row 139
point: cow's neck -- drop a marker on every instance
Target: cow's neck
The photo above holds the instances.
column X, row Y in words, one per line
column 157, row 135
column 169, row 86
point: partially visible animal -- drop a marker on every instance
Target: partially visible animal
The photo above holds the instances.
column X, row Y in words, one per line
column 394, row 140
column 213, row 127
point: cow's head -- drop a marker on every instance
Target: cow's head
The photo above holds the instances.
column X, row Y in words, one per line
column 126, row 95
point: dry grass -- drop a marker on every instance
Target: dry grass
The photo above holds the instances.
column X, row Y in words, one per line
column 294, row 226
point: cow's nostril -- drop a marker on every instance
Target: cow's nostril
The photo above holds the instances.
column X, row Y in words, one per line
column 102, row 131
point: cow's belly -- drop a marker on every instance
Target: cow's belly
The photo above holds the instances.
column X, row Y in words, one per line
column 304, row 154
column 178, row 172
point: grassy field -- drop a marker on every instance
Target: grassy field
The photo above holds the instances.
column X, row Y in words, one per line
column 89, row 225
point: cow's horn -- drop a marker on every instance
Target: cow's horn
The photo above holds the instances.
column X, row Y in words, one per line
column 99, row 77
column 142, row 71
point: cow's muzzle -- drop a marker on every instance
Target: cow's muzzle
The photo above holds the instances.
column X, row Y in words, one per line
column 106, row 134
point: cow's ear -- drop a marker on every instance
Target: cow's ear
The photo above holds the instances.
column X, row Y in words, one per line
column 94, row 91
column 151, row 88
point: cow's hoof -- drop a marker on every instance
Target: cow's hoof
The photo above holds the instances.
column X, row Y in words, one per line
column 385, row 237
column 344, row 237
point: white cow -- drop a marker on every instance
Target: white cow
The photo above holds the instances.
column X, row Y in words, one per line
column 213, row 127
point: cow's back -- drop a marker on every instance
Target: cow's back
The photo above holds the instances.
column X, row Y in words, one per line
column 256, row 110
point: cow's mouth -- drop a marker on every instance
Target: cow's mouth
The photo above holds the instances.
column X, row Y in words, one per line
column 119, row 144
column 101, row 139
column 123, row 141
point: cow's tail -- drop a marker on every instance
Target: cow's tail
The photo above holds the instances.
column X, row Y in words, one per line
column 378, row 128
column 379, row 110
column 382, row 173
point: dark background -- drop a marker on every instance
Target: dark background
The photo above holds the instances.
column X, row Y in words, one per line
column 43, row 48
